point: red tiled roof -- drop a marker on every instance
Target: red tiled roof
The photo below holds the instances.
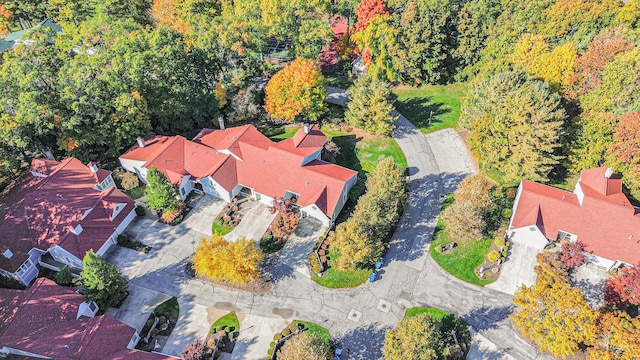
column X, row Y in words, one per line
column 42, row 320
column 267, row 167
column 605, row 221
column 46, row 209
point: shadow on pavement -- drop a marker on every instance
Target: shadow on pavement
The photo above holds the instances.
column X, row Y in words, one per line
column 487, row 317
column 363, row 343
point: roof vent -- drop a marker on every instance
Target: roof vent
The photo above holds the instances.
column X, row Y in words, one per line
column 221, row 122
column 140, row 141
column 8, row 254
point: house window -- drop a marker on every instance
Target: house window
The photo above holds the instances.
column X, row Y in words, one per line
column 93, row 307
column 24, row 268
column 563, row 235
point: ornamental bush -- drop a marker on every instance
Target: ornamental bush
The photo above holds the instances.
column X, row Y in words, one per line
column 493, row 256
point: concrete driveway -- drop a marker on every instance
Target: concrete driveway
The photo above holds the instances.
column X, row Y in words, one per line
column 517, row 270
column 137, row 306
column 204, row 211
column 254, row 223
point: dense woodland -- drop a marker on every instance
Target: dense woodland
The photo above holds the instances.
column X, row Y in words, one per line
column 554, row 83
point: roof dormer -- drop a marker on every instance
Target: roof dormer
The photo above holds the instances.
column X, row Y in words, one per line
column 117, row 209
column 89, row 309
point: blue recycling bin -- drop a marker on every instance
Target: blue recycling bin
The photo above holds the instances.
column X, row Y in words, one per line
column 378, row 265
column 372, row 277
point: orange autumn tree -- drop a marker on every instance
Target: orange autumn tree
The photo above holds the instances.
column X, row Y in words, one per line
column 367, row 10
column 617, row 338
column 296, row 90
column 235, row 262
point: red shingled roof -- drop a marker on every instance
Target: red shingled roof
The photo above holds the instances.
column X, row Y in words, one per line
column 267, row 167
column 42, row 320
column 605, row 221
column 44, row 211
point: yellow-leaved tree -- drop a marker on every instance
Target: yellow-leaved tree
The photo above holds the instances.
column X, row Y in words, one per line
column 235, row 262
column 618, row 338
column 554, row 315
column 296, row 90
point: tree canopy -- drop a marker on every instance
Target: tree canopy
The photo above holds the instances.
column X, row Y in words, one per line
column 101, row 282
column 369, row 107
column 235, row 262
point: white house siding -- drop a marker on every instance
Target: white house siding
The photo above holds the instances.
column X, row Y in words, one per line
column 211, row 187
column 27, row 272
column 529, row 235
column 265, row 199
column 185, row 187
column 135, row 166
column 63, row 256
column 313, row 211
column 123, row 225
column 113, row 239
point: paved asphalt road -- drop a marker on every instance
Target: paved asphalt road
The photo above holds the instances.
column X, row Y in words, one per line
column 357, row 318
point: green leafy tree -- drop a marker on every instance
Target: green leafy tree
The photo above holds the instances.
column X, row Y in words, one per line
column 160, row 194
column 427, row 31
column 417, row 337
column 475, row 19
column 30, row 112
column 516, row 126
column 379, row 44
column 595, row 139
column 369, row 107
column 296, row 90
column 305, row 346
column 618, row 91
column 101, row 282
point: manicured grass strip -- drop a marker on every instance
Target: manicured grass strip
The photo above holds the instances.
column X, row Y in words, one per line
column 230, row 321
column 217, row 228
column 435, row 313
column 288, row 132
column 315, row 330
column 417, row 105
column 464, row 259
column 339, row 81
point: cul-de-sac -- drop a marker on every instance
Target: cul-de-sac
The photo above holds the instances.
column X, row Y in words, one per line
column 319, row 180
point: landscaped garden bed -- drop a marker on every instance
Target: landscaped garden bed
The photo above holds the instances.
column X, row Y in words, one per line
column 297, row 327
column 229, row 217
column 159, row 326
column 497, row 255
column 455, row 332
column 125, row 241
column 224, row 333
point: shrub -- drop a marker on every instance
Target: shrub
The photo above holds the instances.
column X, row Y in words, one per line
column 155, row 332
column 277, row 337
column 226, row 219
column 286, row 332
column 272, row 345
column 506, row 213
column 162, row 319
column 140, row 210
column 284, row 224
column 170, row 216
column 63, row 277
column 270, row 352
column 315, row 265
column 323, row 259
column 505, row 250
column 493, row 256
column 321, row 238
column 321, row 252
column 293, row 327
column 511, row 192
column 499, row 241
column 129, row 181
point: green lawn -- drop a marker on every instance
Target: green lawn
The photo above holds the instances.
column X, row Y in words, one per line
column 217, row 228
column 230, row 321
column 464, row 259
column 340, row 81
column 440, row 102
column 335, row 279
column 435, row 313
column 315, row 330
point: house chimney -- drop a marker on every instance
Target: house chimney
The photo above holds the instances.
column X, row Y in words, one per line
column 306, row 128
column 140, row 141
column 93, row 167
column 221, row 122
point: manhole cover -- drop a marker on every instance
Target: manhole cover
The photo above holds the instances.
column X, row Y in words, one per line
column 384, row 306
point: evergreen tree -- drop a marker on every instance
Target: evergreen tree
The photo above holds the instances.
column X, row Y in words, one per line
column 159, row 193
column 516, row 126
column 101, row 282
column 369, row 107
